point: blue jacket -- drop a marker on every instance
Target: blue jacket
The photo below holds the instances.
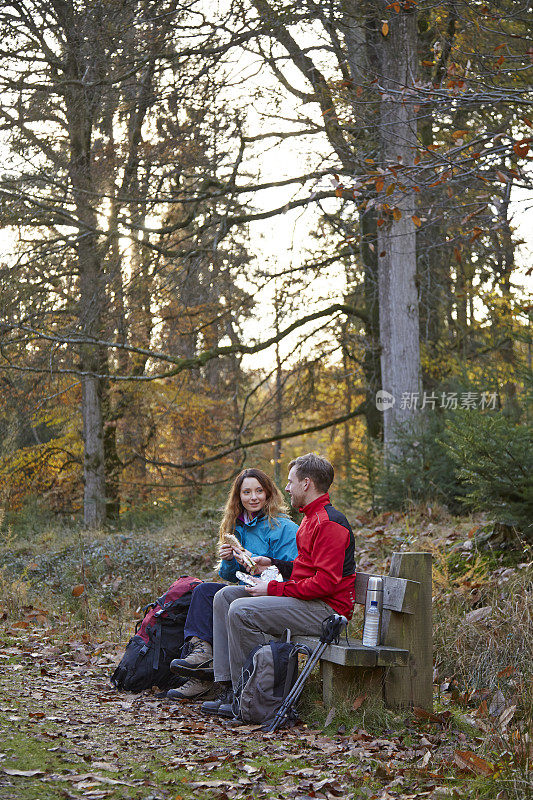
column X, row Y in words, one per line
column 278, row 541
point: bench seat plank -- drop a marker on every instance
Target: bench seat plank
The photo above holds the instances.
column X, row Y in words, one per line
column 355, row 654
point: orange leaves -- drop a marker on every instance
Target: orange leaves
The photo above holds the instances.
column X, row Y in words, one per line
column 521, row 148
column 473, row 214
column 396, row 214
column 416, row 220
column 380, row 183
column 501, row 58
column 385, row 29
column 466, row 759
column 358, row 702
column 78, row 590
column 428, row 716
column 396, row 6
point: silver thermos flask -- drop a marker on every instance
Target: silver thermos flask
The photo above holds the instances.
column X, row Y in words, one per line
column 373, row 607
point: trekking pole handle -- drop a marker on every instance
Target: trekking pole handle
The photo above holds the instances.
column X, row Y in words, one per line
column 331, row 628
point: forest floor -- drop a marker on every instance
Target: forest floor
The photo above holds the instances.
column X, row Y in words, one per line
column 65, row 733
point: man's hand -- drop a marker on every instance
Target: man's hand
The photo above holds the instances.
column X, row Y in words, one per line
column 259, row 590
column 226, row 552
column 261, row 563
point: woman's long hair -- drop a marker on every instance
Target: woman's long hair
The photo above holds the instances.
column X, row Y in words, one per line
column 274, row 507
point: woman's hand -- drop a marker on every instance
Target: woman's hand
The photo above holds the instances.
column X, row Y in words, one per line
column 239, row 556
column 261, row 563
column 226, row 552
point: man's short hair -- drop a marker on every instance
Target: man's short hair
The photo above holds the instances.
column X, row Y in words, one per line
column 315, row 467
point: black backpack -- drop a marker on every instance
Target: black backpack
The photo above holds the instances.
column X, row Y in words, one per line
column 158, row 639
column 267, row 676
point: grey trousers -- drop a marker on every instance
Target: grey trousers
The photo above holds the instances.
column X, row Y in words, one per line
column 241, row 622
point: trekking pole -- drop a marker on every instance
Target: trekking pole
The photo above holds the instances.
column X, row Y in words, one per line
column 331, row 628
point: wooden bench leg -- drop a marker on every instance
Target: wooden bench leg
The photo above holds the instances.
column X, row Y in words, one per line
column 412, row 685
column 349, row 680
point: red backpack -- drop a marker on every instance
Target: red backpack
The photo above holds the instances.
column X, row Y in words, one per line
column 158, row 639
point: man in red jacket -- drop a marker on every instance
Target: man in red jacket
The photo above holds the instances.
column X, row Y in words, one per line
column 320, row 582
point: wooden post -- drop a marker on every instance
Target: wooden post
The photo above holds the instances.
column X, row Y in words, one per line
column 412, row 685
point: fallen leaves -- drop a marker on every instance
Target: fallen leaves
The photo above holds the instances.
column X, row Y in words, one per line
column 429, row 716
column 130, row 740
column 23, row 773
column 423, row 762
column 479, row 614
column 498, row 704
column 505, row 717
column 466, row 759
column 358, row 702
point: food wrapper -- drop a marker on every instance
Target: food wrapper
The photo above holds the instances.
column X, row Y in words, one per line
column 245, row 577
column 271, row 574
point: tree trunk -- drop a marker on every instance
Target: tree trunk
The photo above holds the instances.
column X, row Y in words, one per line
column 94, row 507
column 371, row 361
column 346, row 436
column 80, row 102
column 361, row 36
column 279, row 414
column 398, row 296
column 461, row 294
column 506, row 261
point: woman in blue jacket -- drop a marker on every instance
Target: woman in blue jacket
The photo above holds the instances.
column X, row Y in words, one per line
column 256, row 514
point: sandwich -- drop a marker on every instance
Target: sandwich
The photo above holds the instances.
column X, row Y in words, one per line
column 233, row 542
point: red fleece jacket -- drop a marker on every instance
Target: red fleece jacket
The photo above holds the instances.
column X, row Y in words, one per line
column 325, row 566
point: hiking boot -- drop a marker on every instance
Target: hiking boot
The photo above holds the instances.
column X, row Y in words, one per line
column 191, row 690
column 198, row 662
column 222, row 705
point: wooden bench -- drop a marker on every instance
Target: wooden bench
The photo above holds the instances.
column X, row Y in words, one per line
column 400, row 669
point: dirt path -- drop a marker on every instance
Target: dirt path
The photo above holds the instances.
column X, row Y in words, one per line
column 67, row 734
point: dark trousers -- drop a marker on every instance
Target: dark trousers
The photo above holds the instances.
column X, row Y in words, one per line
column 199, row 620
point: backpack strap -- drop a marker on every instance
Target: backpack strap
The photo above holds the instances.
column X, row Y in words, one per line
column 157, row 645
column 292, row 666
